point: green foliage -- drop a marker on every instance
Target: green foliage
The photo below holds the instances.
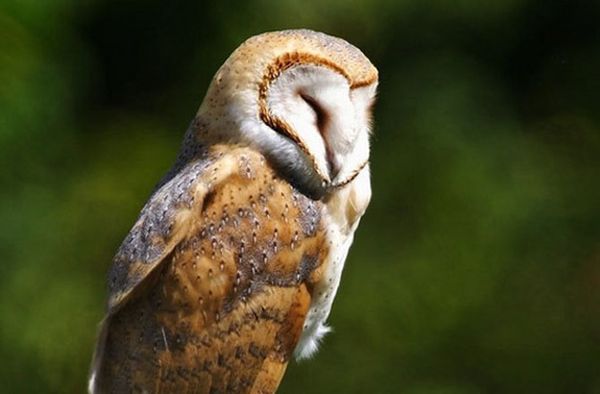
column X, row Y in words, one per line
column 477, row 266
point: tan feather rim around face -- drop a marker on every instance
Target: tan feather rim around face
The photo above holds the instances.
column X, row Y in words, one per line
column 272, row 72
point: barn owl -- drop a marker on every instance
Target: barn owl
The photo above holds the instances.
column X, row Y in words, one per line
column 233, row 263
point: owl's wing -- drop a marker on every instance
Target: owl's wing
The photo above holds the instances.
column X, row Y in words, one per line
column 163, row 223
column 210, row 290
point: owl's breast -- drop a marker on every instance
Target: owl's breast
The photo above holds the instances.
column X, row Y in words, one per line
column 341, row 214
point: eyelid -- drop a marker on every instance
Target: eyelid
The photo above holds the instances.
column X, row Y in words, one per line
column 320, row 112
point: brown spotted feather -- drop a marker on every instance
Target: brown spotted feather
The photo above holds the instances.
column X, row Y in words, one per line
column 209, row 292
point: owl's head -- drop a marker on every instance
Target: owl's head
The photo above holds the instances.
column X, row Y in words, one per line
column 304, row 99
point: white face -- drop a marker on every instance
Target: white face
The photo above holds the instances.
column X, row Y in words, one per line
column 329, row 118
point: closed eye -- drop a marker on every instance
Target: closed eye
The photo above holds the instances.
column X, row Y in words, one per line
column 322, row 120
column 320, row 112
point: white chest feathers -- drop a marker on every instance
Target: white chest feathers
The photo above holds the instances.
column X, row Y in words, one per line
column 341, row 216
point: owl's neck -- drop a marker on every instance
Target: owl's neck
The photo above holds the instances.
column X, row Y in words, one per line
column 281, row 153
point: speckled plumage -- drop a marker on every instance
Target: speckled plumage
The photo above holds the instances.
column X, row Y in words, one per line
column 234, row 262
column 230, row 292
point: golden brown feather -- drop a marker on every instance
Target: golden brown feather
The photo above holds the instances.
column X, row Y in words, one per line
column 221, row 308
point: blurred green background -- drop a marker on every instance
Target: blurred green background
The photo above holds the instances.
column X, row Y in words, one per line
column 477, row 266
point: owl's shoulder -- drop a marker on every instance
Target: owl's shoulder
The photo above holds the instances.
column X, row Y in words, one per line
column 165, row 217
